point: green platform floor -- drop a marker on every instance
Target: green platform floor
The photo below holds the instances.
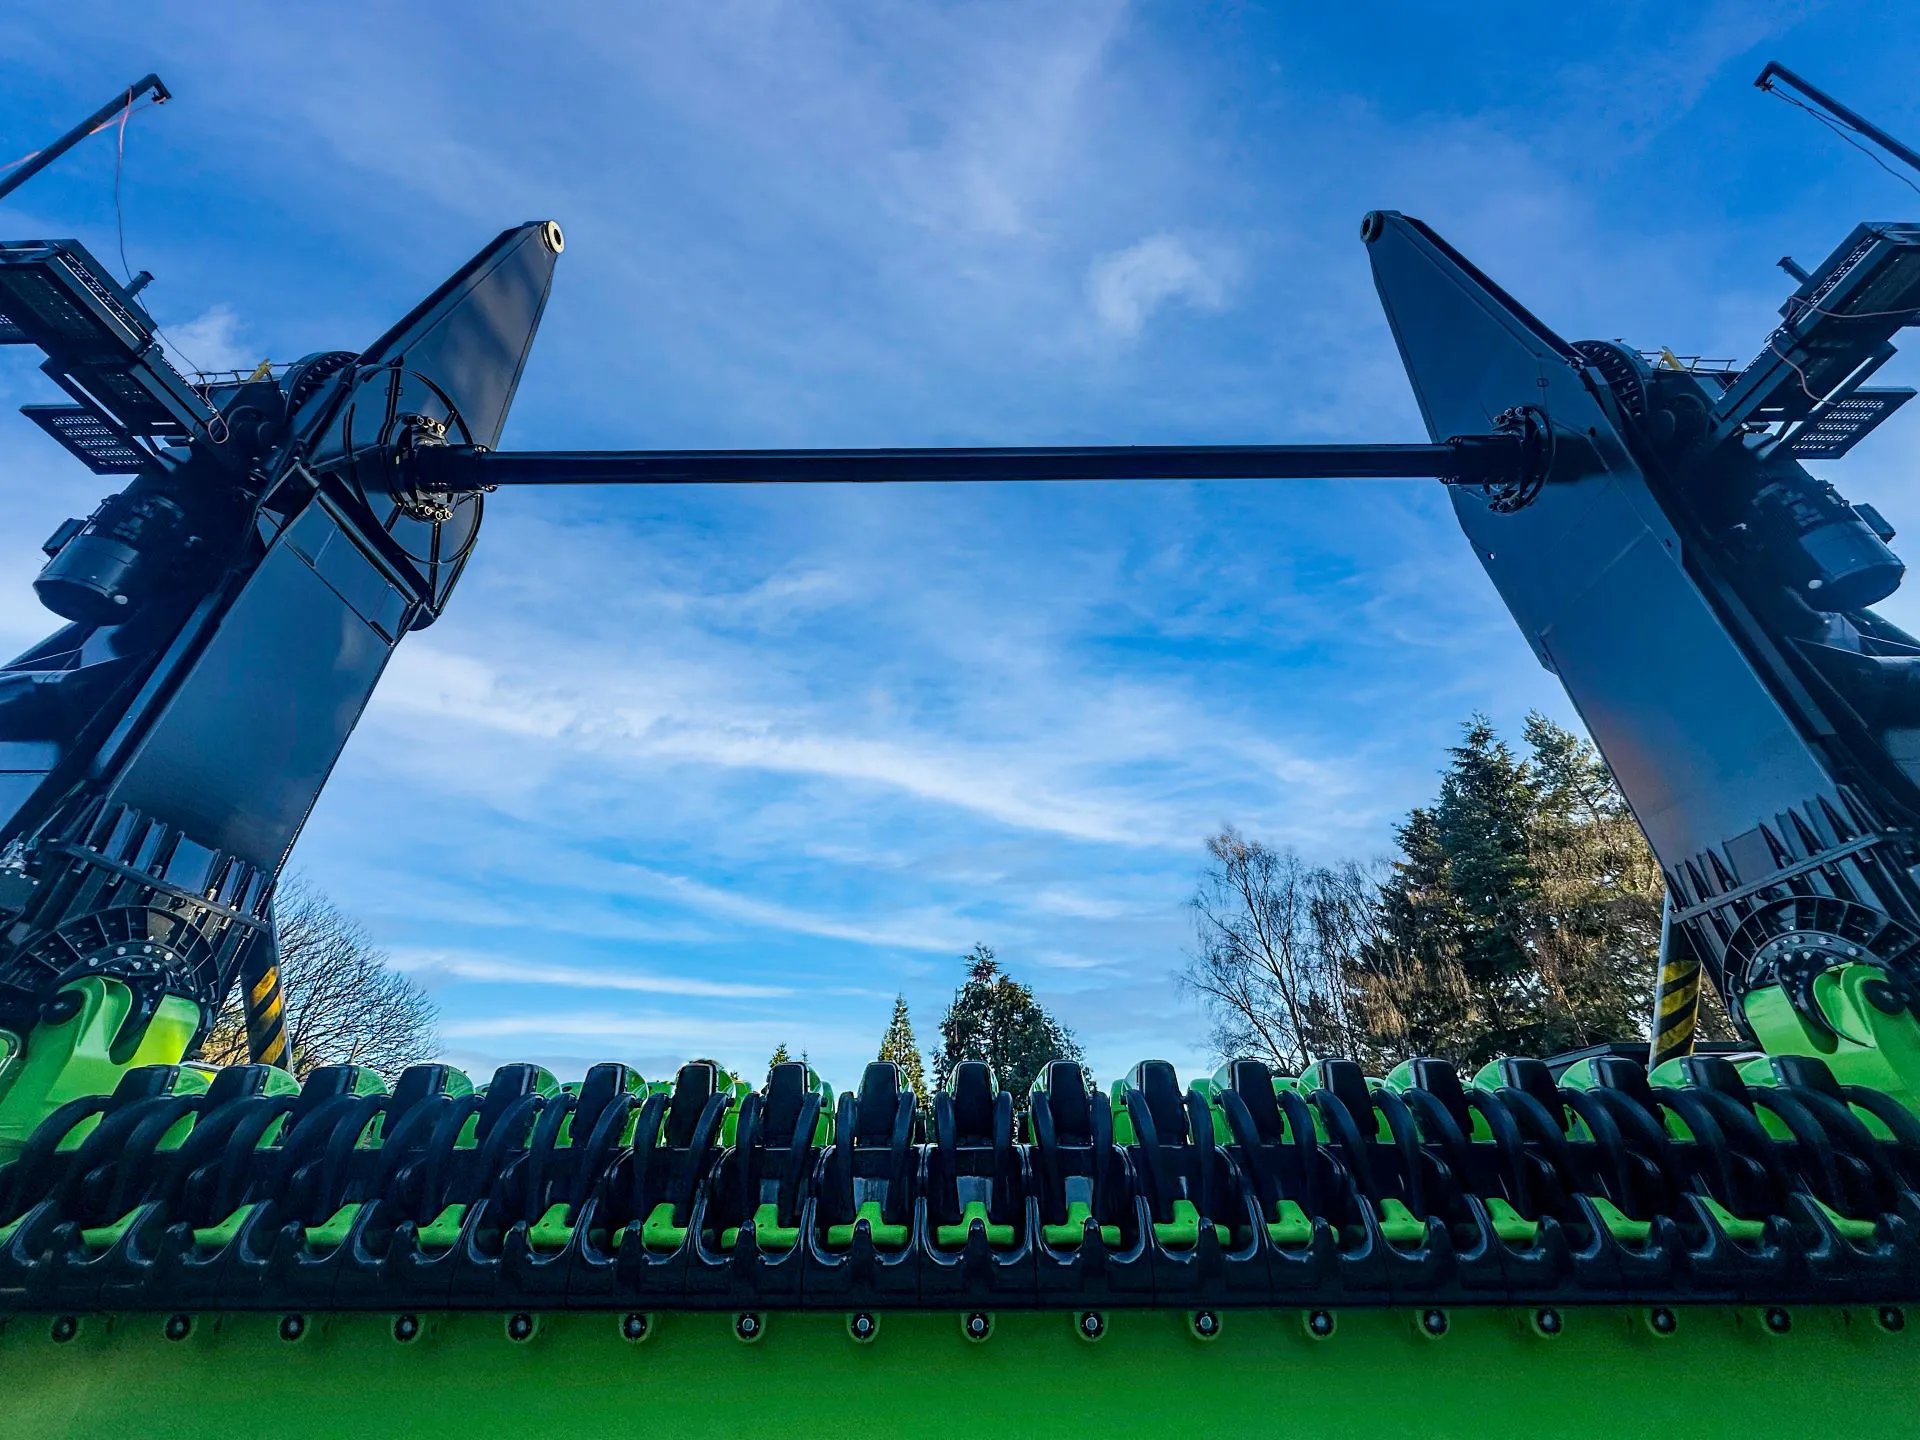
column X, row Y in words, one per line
column 1836, row 1373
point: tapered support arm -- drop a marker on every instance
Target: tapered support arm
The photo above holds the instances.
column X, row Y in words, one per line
column 1491, row 459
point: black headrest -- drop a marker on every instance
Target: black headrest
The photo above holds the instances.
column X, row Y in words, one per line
column 320, row 1085
column 786, row 1088
column 1440, row 1080
column 1067, row 1099
column 510, row 1083
column 146, row 1082
column 971, row 1086
column 1348, row 1082
column 879, row 1102
column 1714, row 1072
column 692, row 1088
column 416, row 1084
column 1532, row 1077
column 599, row 1087
column 1629, row 1077
column 1252, row 1081
column 1159, row 1082
column 1808, row 1072
column 234, row 1081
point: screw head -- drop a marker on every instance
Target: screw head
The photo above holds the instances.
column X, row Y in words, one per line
column 1892, row 1318
column 1778, row 1320
column 862, row 1326
column 1205, row 1324
column 1663, row 1320
column 406, row 1327
column 747, row 1325
column 633, row 1326
column 292, row 1327
column 64, row 1328
column 1434, row 1321
column 179, row 1327
column 520, row 1326
column 1320, row 1323
column 1092, row 1324
column 978, row 1325
column 1547, row 1320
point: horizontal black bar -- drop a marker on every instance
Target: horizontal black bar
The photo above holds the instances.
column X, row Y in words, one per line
column 458, row 469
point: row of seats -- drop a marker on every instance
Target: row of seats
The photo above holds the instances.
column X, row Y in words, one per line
column 241, row 1187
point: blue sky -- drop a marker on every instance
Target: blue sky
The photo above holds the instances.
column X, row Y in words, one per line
column 699, row 772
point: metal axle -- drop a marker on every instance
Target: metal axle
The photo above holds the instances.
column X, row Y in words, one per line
column 1475, row 460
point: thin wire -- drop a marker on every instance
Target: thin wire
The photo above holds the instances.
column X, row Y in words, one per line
column 116, row 119
column 1796, row 370
column 1845, row 134
column 119, row 163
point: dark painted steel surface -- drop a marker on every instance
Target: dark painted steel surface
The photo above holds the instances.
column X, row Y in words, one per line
column 455, row 470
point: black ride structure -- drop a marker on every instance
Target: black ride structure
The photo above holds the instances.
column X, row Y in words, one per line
column 1651, row 524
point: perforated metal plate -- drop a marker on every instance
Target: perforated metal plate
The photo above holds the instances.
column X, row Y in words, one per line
column 99, row 445
column 1847, row 423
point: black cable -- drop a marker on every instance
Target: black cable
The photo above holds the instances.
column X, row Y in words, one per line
column 1846, row 135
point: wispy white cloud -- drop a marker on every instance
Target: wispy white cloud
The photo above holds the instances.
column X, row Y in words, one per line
column 515, row 970
column 647, row 1029
column 1127, row 287
column 212, row 341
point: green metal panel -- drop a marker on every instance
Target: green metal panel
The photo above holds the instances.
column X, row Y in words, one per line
column 1491, row 1374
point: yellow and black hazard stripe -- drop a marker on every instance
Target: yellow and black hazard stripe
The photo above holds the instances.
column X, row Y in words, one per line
column 266, row 1005
column 1676, row 998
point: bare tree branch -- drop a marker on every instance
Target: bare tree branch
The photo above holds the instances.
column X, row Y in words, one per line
column 344, row 1004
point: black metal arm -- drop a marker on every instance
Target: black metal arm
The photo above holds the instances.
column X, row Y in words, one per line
column 1845, row 114
column 1472, row 460
column 121, row 100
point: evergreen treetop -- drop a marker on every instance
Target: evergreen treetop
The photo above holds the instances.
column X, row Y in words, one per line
column 900, row 1046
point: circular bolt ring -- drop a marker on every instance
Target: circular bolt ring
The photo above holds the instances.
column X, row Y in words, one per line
column 1092, row 1324
column 1206, row 1324
column 861, row 1325
column 1529, row 426
column 1892, row 1317
column 1547, row 1321
column 520, row 1326
column 1320, row 1323
column 406, row 1327
column 978, row 1325
column 179, row 1327
column 65, row 1327
column 1434, row 1321
column 633, row 1326
column 1778, row 1320
column 1663, row 1320
column 292, row 1327
column 747, row 1325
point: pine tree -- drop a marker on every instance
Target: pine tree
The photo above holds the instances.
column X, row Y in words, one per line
column 996, row 1019
column 779, row 1056
column 1522, row 916
column 899, row 1046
